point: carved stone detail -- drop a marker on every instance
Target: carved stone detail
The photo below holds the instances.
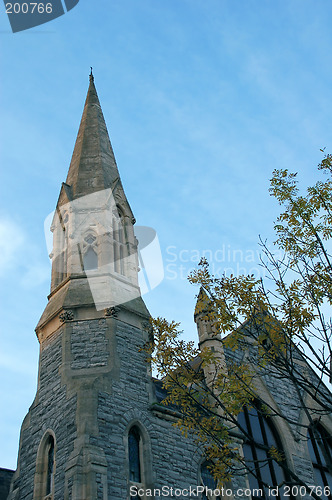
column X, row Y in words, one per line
column 112, row 312
column 66, row 316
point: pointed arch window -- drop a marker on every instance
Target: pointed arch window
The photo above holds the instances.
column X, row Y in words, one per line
column 320, row 450
column 134, row 449
column 90, row 257
column 90, row 260
column 138, row 471
column 45, row 468
column 263, row 471
column 50, row 466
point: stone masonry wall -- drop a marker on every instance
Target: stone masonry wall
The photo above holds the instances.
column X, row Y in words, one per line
column 50, row 410
column 169, row 458
column 89, row 347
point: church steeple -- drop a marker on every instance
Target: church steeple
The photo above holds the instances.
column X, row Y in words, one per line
column 95, row 256
column 91, row 334
column 93, row 166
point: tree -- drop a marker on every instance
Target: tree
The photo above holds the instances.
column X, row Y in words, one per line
column 283, row 323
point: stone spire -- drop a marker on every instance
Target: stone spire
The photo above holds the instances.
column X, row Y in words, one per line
column 95, row 253
column 93, row 166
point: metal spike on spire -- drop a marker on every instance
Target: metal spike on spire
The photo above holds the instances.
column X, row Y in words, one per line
column 91, row 75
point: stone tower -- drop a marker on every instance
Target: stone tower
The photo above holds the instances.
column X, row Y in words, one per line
column 93, row 379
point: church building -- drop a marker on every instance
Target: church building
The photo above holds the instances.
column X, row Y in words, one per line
column 96, row 429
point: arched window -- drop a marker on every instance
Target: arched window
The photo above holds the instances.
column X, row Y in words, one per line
column 320, row 450
column 134, row 445
column 45, row 468
column 208, row 481
column 90, row 257
column 50, row 465
column 263, row 472
column 135, row 454
column 90, row 260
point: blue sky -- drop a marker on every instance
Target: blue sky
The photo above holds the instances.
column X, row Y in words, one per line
column 202, row 101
